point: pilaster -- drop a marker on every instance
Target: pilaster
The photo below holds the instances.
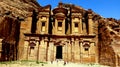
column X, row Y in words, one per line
column 92, row 53
column 42, row 53
column 63, row 26
column 38, row 26
column 56, row 24
column 80, row 24
column 51, row 51
column 72, row 50
column 116, row 60
column 45, row 50
column 77, row 51
column 0, row 48
column 69, row 51
column 80, row 47
column 64, row 52
column 90, row 23
column 47, row 25
column 54, row 52
column 26, row 50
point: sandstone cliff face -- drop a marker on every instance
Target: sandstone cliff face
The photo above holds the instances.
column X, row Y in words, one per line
column 108, row 43
column 14, row 9
column 18, row 7
column 11, row 14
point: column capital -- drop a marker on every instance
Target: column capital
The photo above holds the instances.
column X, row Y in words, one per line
column 1, row 40
column 90, row 16
column 72, row 39
column 80, row 16
column 77, row 39
column 46, row 39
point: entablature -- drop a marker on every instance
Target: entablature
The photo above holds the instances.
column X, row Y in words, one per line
column 60, row 36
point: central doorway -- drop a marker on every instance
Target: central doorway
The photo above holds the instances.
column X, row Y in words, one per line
column 59, row 52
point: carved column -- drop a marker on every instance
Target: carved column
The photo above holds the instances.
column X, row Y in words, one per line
column 77, row 51
column 72, row 24
column 69, row 51
column 90, row 24
column 54, row 52
column 92, row 52
column 29, row 22
column 47, row 24
column 0, row 48
column 38, row 26
column 80, row 24
column 73, row 49
column 66, row 51
column 45, row 49
column 56, row 24
column 38, row 50
column 63, row 26
column 116, row 58
column 51, row 51
column 97, row 53
column 25, row 50
column 42, row 50
column 80, row 46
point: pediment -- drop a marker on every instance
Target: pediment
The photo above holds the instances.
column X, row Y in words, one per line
column 45, row 9
column 76, row 10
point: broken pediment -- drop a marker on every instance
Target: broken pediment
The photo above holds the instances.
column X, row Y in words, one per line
column 45, row 8
column 76, row 10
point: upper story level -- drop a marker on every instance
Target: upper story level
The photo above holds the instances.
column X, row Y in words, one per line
column 62, row 20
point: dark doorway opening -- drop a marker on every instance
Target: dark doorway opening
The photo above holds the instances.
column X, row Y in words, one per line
column 59, row 52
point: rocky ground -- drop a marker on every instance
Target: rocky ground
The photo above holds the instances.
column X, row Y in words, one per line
column 48, row 64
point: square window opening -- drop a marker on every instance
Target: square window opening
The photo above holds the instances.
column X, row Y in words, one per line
column 86, row 49
column 43, row 26
column 43, row 23
column 31, row 47
column 59, row 24
column 76, row 24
